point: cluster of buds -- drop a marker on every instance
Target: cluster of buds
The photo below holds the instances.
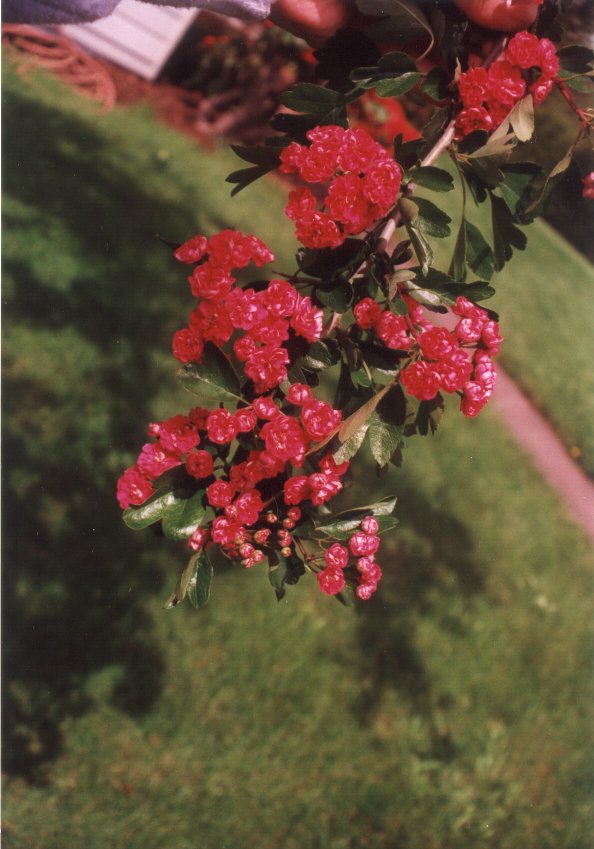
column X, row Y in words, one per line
column 362, row 179
column 528, row 64
column 359, row 553
column 437, row 358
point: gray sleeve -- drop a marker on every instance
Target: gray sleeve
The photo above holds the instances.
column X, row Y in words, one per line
column 79, row 11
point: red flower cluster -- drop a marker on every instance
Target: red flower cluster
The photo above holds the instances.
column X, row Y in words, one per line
column 266, row 318
column 439, row 358
column 362, row 548
column 363, row 180
column 527, row 64
column 275, row 439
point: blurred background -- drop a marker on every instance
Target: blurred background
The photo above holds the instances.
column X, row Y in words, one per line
column 454, row 710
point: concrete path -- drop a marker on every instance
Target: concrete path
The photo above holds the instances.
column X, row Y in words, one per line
column 548, row 453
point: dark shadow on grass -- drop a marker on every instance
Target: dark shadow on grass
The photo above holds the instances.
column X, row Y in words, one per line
column 77, row 583
column 434, row 563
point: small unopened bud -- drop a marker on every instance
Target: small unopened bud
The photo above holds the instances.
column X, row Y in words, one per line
column 289, row 524
column 286, row 551
column 294, row 513
column 248, row 562
column 258, row 556
column 284, row 537
column 262, row 536
column 270, row 517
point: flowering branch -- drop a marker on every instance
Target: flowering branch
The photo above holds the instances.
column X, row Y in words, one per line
column 255, row 467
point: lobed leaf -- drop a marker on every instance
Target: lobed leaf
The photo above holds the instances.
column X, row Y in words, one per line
column 430, row 177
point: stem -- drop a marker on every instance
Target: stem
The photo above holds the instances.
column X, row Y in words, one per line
column 438, row 148
column 583, row 116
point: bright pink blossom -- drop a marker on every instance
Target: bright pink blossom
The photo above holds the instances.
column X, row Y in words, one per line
column 199, row 539
column 199, row 464
column 393, row 331
column 221, row 426
column 421, row 379
column 331, row 581
column 176, row 434
column 284, row 438
column 219, row 494
column 307, row 320
column 133, row 488
column 337, row 556
column 187, row 346
column 191, row 251
column 367, row 312
column 154, row 460
column 296, row 489
column 363, row 545
column 319, row 419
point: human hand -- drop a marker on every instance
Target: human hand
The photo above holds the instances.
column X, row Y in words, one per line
column 317, row 20
column 313, row 20
column 505, row 15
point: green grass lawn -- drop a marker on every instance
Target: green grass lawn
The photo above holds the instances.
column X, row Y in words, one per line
column 454, row 711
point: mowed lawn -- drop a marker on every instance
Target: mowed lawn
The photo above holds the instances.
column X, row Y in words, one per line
column 454, row 711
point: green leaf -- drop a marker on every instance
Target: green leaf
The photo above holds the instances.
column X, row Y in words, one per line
column 535, row 206
column 263, row 158
column 430, row 177
column 576, row 58
column 478, row 253
column 320, row 102
column 410, row 213
column 341, row 525
column 408, row 153
column 213, row 380
column 449, row 289
column 431, row 220
column 338, row 297
column 583, row 84
column 397, row 87
column 506, row 235
column 386, row 427
column 430, row 414
column 258, row 154
column 198, row 590
column 328, row 263
column 518, row 178
column 295, row 126
column 457, row 267
column 436, row 84
column 277, row 571
column 423, row 249
column 381, row 358
column 321, row 355
column 183, row 516
column 390, row 65
column 243, row 177
column 284, row 571
column 349, row 446
column 181, row 588
column 150, row 512
column 346, row 597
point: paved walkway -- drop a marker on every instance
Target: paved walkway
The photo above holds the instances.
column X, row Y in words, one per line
column 548, row 453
